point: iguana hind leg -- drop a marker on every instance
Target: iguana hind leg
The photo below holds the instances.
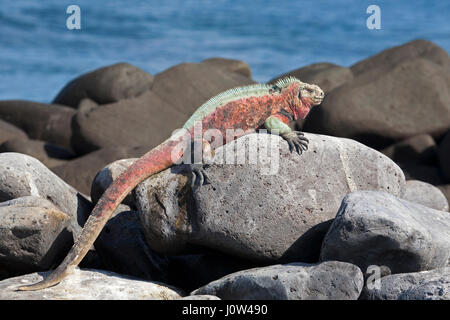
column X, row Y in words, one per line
column 198, row 173
column 195, row 168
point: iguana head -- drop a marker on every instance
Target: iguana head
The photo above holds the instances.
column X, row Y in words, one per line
column 300, row 96
column 310, row 94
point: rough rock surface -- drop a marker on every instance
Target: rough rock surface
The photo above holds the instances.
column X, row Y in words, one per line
column 9, row 132
column 33, row 235
column 377, row 228
column 88, row 285
column 22, row 175
column 378, row 108
column 46, row 122
column 278, row 208
column 425, row 285
column 105, row 85
column 425, row 194
column 330, row 280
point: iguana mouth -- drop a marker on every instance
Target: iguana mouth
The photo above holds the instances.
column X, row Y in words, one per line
column 317, row 100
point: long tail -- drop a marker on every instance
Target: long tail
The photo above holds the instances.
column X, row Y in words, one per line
column 152, row 162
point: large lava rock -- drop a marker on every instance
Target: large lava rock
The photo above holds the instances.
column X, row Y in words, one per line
column 277, row 207
column 377, row 228
column 47, row 122
column 389, row 58
column 9, row 132
column 425, row 285
column 22, row 175
column 89, row 285
column 330, row 280
column 106, row 85
column 33, row 235
column 425, row 194
column 378, row 108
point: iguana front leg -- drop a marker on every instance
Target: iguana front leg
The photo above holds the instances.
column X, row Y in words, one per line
column 295, row 139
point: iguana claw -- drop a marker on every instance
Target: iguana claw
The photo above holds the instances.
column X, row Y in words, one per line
column 297, row 141
column 198, row 174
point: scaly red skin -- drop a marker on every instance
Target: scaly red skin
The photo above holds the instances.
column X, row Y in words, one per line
column 247, row 114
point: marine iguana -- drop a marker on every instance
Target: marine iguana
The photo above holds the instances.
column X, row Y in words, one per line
column 248, row 108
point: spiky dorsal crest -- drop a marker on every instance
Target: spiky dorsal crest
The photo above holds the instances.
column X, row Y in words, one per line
column 286, row 81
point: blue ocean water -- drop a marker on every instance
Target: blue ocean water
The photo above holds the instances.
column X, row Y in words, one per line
column 39, row 55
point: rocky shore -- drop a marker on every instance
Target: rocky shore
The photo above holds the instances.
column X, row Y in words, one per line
column 363, row 214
